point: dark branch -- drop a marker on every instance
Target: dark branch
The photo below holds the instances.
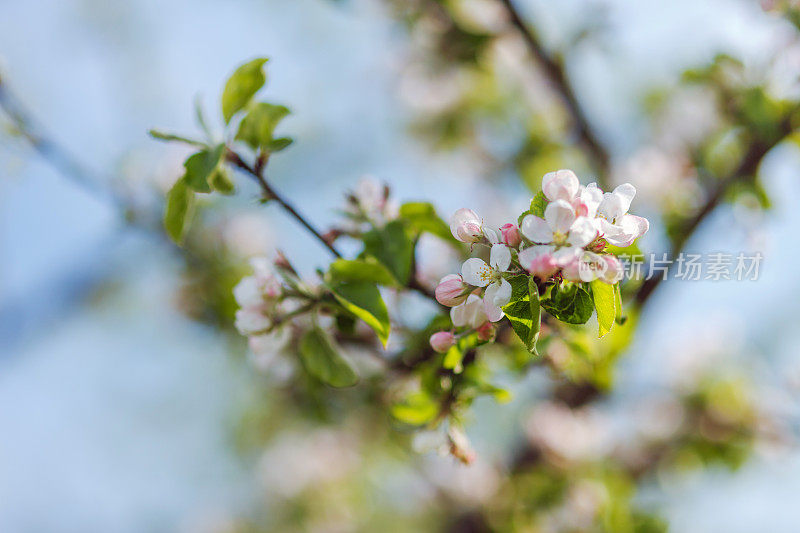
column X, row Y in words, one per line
column 555, row 71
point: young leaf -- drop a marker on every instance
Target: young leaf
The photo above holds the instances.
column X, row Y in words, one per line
column 200, row 166
column 162, row 136
column 363, row 300
column 240, row 88
column 603, row 295
column 619, row 318
column 322, row 360
column 421, row 216
column 569, row 303
column 360, row 270
column 523, row 311
column 276, row 145
column 220, row 181
column 392, row 245
column 259, row 123
column 538, row 205
column 180, row 205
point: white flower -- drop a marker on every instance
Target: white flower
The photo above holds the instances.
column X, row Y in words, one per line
column 617, row 226
column 250, row 321
column 560, row 185
column 467, row 226
column 498, row 291
column 561, row 228
column 470, row 313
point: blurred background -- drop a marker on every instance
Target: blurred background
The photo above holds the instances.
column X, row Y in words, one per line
column 128, row 403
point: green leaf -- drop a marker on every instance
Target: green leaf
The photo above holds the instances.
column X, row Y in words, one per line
column 417, row 409
column 180, row 206
column 322, row 360
column 603, row 296
column 569, row 303
column 220, row 181
column 393, row 246
column 538, row 205
column 422, row 216
column 200, row 166
column 619, row 318
column 259, row 123
column 281, row 143
column 523, row 310
column 240, row 88
column 360, row 270
column 455, row 355
column 162, row 136
column 363, row 299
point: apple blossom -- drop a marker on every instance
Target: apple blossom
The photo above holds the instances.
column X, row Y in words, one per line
column 470, row 313
column 510, row 234
column 467, row 227
column 451, row 290
column 498, row 291
column 441, row 341
column 560, row 185
column 561, row 228
column 616, row 225
column 539, row 261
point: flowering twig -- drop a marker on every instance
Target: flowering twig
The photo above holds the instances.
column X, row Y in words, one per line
column 555, row 72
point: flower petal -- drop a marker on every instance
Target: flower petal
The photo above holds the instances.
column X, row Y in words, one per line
column 500, row 257
column 582, row 232
column 591, row 196
column 247, row 292
column 476, row 272
column 559, row 215
column 560, row 185
column 536, row 229
column 625, row 192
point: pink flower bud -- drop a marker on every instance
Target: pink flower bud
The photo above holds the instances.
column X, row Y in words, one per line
column 451, row 290
column 441, row 341
column 466, row 226
column 486, row 332
column 510, row 235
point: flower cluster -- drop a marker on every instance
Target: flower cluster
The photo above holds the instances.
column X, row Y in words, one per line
column 563, row 237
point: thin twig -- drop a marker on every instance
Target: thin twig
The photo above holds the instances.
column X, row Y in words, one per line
column 556, row 73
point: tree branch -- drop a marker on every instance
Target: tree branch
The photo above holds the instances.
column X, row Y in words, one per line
column 555, row 71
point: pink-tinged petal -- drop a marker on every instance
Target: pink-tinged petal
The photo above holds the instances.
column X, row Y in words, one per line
column 451, row 290
column 476, row 272
column 536, row 229
column 635, row 225
column 466, row 226
column 559, row 215
column 470, row 313
column 441, row 341
column 591, row 266
column 492, row 312
column 496, row 295
column 500, row 257
column 614, row 271
column 491, row 235
column 582, row 232
column 510, row 233
column 590, row 197
column 625, row 192
column 567, row 255
column 560, row 185
column 539, row 261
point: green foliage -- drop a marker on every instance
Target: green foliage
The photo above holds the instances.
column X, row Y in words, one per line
column 201, row 166
column 240, row 88
column 455, row 355
column 393, row 246
column 258, row 125
column 570, row 303
column 416, row 409
column 603, row 295
column 360, row 270
column 180, row 206
column 322, row 360
column 363, row 300
column 523, row 311
column 538, row 205
column 163, row 136
column 422, row 217
column 220, row 181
